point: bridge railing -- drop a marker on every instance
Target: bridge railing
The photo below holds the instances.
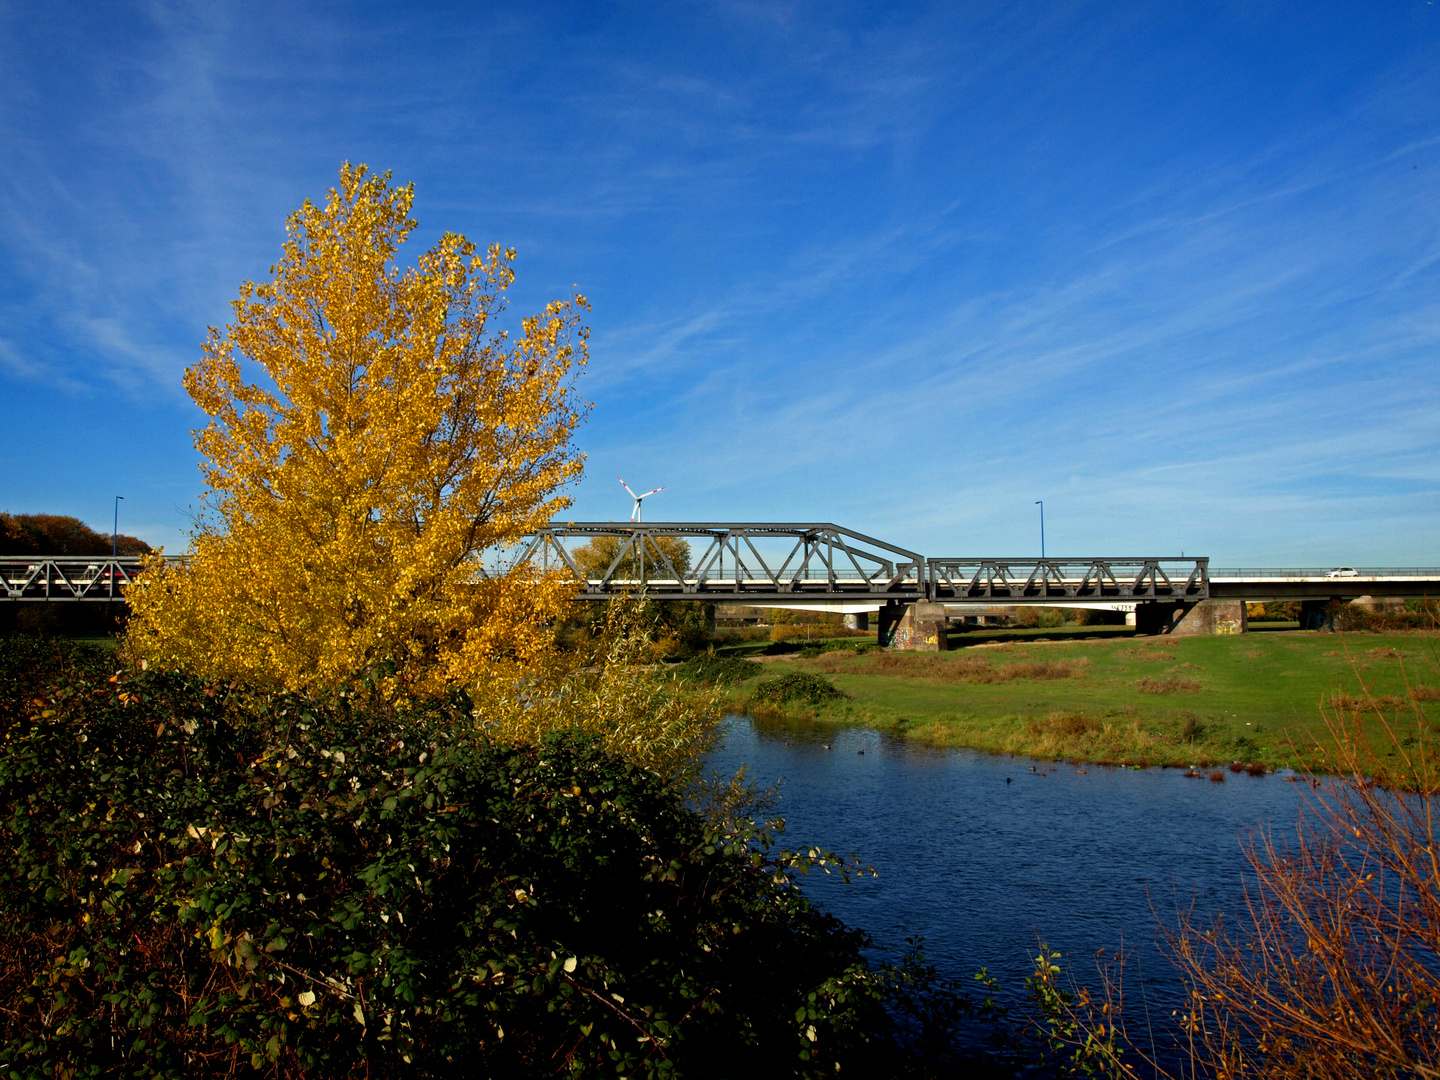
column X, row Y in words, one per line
column 1317, row 573
column 1062, row 579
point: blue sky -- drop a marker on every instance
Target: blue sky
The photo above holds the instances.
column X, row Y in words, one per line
column 1171, row 268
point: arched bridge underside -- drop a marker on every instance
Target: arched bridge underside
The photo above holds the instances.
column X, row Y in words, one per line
column 823, row 566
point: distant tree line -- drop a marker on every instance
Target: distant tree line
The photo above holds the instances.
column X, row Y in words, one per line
column 675, row 626
column 56, row 534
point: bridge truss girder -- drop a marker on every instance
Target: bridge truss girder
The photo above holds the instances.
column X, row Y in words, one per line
column 812, row 560
column 1057, row 581
column 66, row 577
column 819, row 565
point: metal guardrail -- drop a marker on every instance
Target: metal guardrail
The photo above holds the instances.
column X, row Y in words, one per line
column 1326, row 573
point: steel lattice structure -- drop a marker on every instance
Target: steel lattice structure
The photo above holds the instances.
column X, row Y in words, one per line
column 819, row 561
column 813, row 564
column 67, row 577
column 1055, row 581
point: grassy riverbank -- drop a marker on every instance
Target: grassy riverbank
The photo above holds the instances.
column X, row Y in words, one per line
column 1107, row 696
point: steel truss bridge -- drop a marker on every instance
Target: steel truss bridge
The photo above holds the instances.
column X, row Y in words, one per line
column 815, row 565
column 68, row 577
column 744, row 563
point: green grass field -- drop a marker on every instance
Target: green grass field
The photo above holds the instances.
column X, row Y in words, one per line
column 1096, row 694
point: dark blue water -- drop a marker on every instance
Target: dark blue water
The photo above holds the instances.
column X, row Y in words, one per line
column 984, row 869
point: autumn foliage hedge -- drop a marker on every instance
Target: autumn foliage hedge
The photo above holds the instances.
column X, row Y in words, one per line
column 198, row 882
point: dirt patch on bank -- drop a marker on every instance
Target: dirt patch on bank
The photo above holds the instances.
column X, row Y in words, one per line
column 1168, row 686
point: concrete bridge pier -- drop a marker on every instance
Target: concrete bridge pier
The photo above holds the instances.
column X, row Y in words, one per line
column 1187, row 617
column 858, row 621
column 886, row 620
column 1157, row 617
column 916, row 627
column 1213, row 617
column 1316, row 615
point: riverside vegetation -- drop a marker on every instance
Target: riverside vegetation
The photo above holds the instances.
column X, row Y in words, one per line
column 1327, row 970
column 210, row 879
column 1105, row 698
column 206, row 880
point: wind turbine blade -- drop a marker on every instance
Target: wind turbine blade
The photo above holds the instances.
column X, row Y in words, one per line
column 626, row 487
column 649, row 493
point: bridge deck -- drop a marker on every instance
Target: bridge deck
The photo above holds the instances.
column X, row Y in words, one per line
column 1258, row 585
column 813, row 564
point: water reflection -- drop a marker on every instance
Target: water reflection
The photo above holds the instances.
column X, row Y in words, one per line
column 980, row 866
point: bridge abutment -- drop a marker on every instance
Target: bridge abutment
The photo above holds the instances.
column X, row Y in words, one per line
column 1213, row 617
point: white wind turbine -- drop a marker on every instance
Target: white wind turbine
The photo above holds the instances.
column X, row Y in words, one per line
column 635, row 513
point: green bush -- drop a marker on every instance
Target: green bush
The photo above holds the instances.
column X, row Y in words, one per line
column 809, row 652
column 718, row 670
column 796, row 687
column 1348, row 616
column 199, row 883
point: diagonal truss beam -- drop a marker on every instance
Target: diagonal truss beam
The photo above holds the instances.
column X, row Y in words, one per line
column 68, row 577
column 767, row 561
column 1029, row 580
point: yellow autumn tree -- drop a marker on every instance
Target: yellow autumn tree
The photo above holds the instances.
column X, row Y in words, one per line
column 372, row 436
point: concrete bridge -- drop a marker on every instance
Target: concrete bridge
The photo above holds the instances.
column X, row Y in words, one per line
column 825, row 567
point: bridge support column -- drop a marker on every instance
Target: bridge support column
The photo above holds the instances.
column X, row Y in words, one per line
column 886, row 620
column 1157, row 616
column 1213, row 617
column 914, row 627
column 1316, row 615
column 858, row 621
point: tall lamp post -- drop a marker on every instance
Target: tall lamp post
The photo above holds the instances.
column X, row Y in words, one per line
column 1041, row 503
column 115, row 529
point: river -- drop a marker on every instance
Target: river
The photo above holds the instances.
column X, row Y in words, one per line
column 985, row 855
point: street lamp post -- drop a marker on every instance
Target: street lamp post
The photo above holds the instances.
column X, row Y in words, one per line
column 1041, row 503
column 115, row 529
